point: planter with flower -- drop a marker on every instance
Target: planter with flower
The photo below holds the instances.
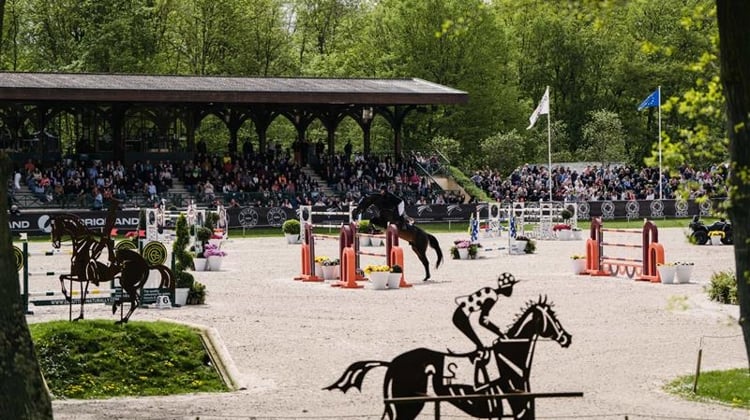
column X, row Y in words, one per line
column 378, row 275
column 202, row 236
column 319, row 260
column 579, row 263
column 462, row 249
column 331, row 269
column 522, row 245
column 683, row 271
column 667, row 272
column 394, row 277
column 475, row 251
column 563, row 231
column 214, row 256
column 716, row 237
column 576, row 232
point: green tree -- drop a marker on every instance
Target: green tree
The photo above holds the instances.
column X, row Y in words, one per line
column 22, row 391
column 504, row 151
column 604, row 137
column 735, row 75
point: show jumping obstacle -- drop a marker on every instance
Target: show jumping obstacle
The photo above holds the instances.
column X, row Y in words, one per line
column 308, row 244
column 350, row 261
column 599, row 264
column 349, row 253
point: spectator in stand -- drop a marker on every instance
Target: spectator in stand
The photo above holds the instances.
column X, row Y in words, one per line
column 98, row 199
column 208, row 191
column 152, row 192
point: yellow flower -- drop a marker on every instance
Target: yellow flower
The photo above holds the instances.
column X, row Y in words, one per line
column 320, row 259
column 377, row 268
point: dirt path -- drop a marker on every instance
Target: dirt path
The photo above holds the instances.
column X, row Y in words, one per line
column 290, row 339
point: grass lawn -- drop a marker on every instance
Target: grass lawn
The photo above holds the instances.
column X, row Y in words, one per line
column 98, row 359
column 731, row 387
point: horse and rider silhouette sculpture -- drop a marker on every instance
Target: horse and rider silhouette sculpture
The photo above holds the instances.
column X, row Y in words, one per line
column 500, row 369
column 389, row 208
column 125, row 265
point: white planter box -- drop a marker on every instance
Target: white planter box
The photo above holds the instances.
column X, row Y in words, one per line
column 200, row 264
column 181, row 295
column 214, row 263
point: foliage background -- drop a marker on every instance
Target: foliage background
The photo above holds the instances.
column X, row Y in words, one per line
column 600, row 59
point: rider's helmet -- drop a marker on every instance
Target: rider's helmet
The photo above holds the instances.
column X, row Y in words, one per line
column 505, row 283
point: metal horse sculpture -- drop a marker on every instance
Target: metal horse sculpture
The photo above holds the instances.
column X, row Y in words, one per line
column 408, row 374
column 128, row 266
column 417, row 238
column 88, row 246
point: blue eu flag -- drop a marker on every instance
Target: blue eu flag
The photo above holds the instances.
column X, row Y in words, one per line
column 653, row 100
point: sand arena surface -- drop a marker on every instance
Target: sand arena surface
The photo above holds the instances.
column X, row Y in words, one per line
column 290, row 339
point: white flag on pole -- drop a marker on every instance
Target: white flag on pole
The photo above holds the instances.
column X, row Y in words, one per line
column 541, row 109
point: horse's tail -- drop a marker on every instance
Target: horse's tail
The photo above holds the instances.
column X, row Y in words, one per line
column 355, row 374
column 167, row 278
column 436, row 245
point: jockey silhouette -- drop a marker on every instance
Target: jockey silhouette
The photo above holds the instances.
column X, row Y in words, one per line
column 482, row 301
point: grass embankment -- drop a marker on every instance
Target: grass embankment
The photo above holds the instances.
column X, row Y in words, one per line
column 731, row 387
column 98, row 359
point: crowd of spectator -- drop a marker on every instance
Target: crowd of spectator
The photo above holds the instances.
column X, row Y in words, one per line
column 83, row 183
column 274, row 177
column 596, row 183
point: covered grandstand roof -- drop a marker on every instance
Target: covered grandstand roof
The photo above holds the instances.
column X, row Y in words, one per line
column 221, row 89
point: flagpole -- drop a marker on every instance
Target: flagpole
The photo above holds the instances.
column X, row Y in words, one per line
column 549, row 147
column 660, row 170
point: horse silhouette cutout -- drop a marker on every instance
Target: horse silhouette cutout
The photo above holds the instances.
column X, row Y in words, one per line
column 418, row 239
column 133, row 272
column 88, row 246
column 126, row 266
column 409, row 374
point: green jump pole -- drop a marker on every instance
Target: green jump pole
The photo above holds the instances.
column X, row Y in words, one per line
column 26, row 279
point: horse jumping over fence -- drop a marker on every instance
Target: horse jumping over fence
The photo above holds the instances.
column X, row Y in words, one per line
column 408, row 375
column 418, row 239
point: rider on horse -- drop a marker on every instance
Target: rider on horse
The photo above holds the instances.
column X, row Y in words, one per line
column 482, row 301
column 391, row 208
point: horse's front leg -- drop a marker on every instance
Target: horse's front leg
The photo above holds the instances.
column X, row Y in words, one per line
column 63, row 289
column 134, row 302
column 84, row 293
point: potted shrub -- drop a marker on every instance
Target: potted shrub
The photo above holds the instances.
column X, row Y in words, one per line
column 394, row 278
column 202, row 236
column 183, row 261
column 363, row 226
column 723, row 287
column 566, row 215
column 291, row 229
column 197, row 294
column 184, row 282
column 530, row 247
column 519, row 245
column 454, row 252
column 474, row 250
